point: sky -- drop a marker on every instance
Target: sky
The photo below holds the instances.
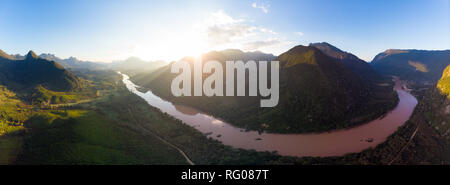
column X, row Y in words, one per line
column 108, row 30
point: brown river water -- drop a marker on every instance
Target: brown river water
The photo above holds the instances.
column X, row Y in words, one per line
column 334, row 143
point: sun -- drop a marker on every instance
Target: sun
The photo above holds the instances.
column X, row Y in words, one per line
column 172, row 47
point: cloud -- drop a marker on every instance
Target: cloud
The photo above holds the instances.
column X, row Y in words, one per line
column 221, row 18
column 265, row 30
column 299, row 33
column 222, row 29
column 261, row 44
column 218, row 35
column 262, row 6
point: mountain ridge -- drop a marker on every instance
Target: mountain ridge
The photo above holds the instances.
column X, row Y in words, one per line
column 33, row 71
column 351, row 61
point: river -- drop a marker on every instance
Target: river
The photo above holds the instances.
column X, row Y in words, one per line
column 334, row 143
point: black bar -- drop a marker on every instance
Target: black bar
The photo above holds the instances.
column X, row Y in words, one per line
column 275, row 174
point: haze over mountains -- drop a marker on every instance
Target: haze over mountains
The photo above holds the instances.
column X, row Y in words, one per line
column 131, row 65
column 72, row 62
column 134, row 65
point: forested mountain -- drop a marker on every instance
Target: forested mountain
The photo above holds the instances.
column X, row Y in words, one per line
column 317, row 93
column 420, row 66
column 34, row 71
column 358, row 66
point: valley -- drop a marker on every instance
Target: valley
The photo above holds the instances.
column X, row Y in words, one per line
column 224, row 91
column 351, row 140
column 338, row 99
column 107, row 119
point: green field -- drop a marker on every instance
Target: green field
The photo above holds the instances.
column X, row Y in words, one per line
column 77, row 134
column 87, row 137
column 12, row 115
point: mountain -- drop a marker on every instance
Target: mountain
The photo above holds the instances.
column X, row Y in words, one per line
column 235, row 54
column 317, row 93
column 5, row 56
column 338, row 98
column 420, row 66
column 358, row 66
column 163, row 76
column 69, row 63
column 72, row 62
column 33, row 71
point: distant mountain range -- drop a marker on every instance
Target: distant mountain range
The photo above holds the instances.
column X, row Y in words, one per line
column 131, row 65
column 72, row 62
column 318, row 91
column 420, row 66
column 134, row 65
column 235, row 54
column 33, row 71
column 4, row 56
